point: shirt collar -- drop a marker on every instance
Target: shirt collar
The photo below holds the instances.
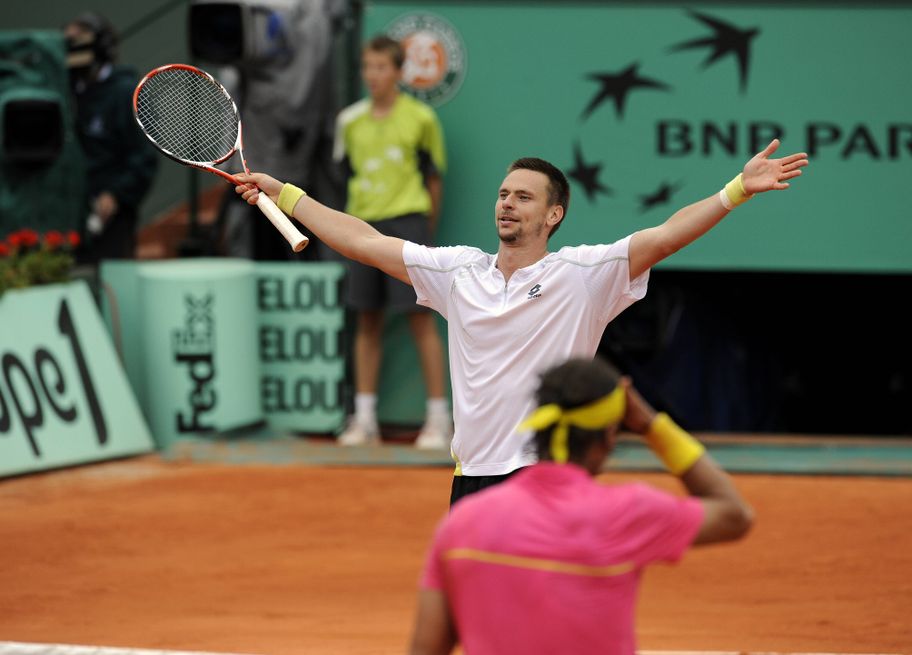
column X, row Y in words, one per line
column 534, row 265
column 546, row 474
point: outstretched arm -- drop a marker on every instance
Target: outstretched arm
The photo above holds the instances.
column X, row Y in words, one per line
column 345, row 234
column 650, row 246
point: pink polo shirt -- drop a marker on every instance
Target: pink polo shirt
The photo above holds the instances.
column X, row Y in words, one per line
column 550, row 560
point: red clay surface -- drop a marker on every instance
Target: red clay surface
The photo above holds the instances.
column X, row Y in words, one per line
column 285, row 560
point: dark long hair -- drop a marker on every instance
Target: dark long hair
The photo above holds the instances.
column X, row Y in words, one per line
column 574, row 383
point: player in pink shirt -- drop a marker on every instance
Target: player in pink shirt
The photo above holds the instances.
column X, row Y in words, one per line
column 550, row 560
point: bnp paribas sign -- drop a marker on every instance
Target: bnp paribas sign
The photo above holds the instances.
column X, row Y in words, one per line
column 649, row 106
column 738, row 48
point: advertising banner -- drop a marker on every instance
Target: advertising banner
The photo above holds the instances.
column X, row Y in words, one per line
column 198, row 347
column 301, row 341
column 648, row 107
column 215, row 345
column 64, row 397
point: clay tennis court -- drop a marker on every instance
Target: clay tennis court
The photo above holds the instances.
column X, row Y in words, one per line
column 282, row 559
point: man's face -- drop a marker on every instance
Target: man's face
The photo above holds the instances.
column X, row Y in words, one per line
column 79, row 40
column 379, row 73
column 522, row 209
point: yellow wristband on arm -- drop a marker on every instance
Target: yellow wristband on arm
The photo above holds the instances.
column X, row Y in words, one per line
column 678, row 450
column 289, row 197
column 733, row 194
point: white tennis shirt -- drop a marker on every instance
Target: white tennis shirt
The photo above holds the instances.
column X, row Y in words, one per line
column 503, row 335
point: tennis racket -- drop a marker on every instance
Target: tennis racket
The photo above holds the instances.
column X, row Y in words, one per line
column 191, row 118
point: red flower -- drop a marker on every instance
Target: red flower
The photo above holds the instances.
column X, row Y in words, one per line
column 15, row 240
column 53, row 239
column 73, row 238
column 4, row 250
column 30, row 238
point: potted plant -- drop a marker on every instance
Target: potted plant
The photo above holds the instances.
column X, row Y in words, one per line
column 28, row 258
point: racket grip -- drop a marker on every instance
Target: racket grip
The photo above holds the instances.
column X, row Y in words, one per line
column 288, row 230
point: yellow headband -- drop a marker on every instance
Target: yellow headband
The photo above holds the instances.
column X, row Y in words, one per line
column 598, row 414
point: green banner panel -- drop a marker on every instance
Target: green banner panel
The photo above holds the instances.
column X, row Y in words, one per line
column 199, row 347
column 275, row 351
column 64, row 397
column 649, row 107
column 120, row 307
column 301, row 344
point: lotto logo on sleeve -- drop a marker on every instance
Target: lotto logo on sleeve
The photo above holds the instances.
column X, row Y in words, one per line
column 435, row 56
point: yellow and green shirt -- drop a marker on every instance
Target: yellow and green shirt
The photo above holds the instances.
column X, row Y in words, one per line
column 387, row 157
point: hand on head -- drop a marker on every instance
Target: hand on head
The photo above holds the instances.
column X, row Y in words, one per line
column 639, row 413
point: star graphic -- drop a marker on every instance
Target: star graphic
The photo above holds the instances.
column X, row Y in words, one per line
column 587, row 175
column 617, row 86
column 727, row 39
column 661, row 196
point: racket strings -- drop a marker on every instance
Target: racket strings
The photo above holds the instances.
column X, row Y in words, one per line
column 188, row 115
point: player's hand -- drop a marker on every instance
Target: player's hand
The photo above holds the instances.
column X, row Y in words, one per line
column 639, row 414
column 764, row 174
column 253, row 183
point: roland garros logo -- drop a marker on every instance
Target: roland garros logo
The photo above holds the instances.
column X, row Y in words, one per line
column 435, row 56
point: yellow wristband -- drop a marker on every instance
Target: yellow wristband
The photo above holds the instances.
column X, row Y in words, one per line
column 734, row 194
column 289, row 197
column 678, row 450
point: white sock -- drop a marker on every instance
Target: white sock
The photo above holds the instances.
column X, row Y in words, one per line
column 437, row 409
column 366, row 409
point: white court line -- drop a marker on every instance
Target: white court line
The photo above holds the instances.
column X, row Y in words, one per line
column 21, row 648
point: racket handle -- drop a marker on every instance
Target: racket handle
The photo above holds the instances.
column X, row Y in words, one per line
column 297, row 240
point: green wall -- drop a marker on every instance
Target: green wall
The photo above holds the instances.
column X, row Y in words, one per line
column 834, row 70
column 830, row 79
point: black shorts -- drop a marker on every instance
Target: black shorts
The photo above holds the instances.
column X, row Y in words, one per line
column 370, row 289
column 463, row 485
